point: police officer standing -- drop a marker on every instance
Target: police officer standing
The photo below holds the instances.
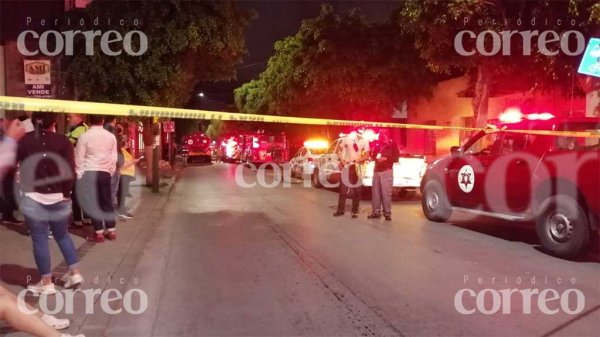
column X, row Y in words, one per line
column 383, row 178
column 353, row 152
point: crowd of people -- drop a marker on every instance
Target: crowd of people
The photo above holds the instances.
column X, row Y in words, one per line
column 57, row 181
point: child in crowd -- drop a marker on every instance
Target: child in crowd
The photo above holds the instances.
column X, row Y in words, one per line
column 127, row 175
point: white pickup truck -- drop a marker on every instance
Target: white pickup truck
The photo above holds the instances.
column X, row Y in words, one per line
column 408, row 171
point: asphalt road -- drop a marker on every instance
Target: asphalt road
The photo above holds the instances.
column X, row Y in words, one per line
column 226, row 260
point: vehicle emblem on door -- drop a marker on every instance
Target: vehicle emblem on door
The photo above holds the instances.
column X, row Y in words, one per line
column 466, row 178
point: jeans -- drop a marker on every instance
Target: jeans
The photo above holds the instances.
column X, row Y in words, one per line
column 114, row 186
column 77, row 212
column 382, row 192
column 123, row 191
column 95, row 196
column 351, row 177
column 7, row 200
column 40, row 219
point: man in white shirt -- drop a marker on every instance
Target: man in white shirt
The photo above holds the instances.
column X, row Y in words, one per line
column 354, row 151
column 95, row 163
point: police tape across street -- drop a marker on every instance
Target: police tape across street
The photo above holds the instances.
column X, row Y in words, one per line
column 95, row 108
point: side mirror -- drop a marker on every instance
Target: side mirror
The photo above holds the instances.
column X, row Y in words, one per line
column 456, row 151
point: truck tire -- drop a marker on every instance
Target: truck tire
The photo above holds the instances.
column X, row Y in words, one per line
column 316, row 182
column 562, row 227
column 434, row 202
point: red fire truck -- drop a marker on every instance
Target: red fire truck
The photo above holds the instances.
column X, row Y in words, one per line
column 260, row 148
column 196, row 147
column 229, row 147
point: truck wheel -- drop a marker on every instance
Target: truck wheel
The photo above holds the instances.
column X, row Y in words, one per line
column 563, row 227
column 435, row 202
column 315, row 179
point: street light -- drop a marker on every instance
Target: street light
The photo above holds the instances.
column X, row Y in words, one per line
column 201, row 94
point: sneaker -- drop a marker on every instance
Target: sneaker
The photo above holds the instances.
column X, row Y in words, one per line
column 338, row 213
column 11, row 220
column 388, row 218
column 373, row 216
column 55, row 323
column 43, row 289
column 96, row 238
column 354, row 215
column 72, row 281
column 111, row 235
column 126, row 215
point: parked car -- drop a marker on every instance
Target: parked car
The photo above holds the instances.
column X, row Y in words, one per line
column 408, row 171
column 303, row 162
column 552, row 181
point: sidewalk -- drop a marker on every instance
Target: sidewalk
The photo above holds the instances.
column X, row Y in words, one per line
column 107, row 265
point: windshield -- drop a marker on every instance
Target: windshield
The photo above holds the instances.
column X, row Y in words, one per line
column 483, row 143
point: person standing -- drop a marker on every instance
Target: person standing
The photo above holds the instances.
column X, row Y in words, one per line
column 127, row 176
column 47, row 170
column 354, row 151
column 26, row 121
column 95, row 164
column 13, row 132
column 77, row 127
column 110, row 125
column 7, row 201
column 383, row 177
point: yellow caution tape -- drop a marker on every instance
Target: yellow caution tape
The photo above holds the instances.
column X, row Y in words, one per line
column 94, row 108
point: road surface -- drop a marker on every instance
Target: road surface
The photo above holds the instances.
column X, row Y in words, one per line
column 234, row 261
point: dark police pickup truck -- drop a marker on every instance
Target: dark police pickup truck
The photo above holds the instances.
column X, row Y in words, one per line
column 551, row 180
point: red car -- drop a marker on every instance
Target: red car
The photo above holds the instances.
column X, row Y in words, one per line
column 196, row 147
column 551, row 180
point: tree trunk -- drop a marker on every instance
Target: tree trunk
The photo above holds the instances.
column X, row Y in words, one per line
column 482, row 94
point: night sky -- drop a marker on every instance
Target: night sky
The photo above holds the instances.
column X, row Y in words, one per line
column 276, row 20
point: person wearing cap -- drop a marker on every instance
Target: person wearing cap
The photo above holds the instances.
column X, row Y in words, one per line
column 353, row 152
column 383, row 178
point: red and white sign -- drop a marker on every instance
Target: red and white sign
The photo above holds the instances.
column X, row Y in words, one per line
column 37, row 72
column 169, row 126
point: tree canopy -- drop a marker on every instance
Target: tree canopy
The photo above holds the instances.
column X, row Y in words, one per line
column 435, row 24
column 338, row 66
column 188, row 42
